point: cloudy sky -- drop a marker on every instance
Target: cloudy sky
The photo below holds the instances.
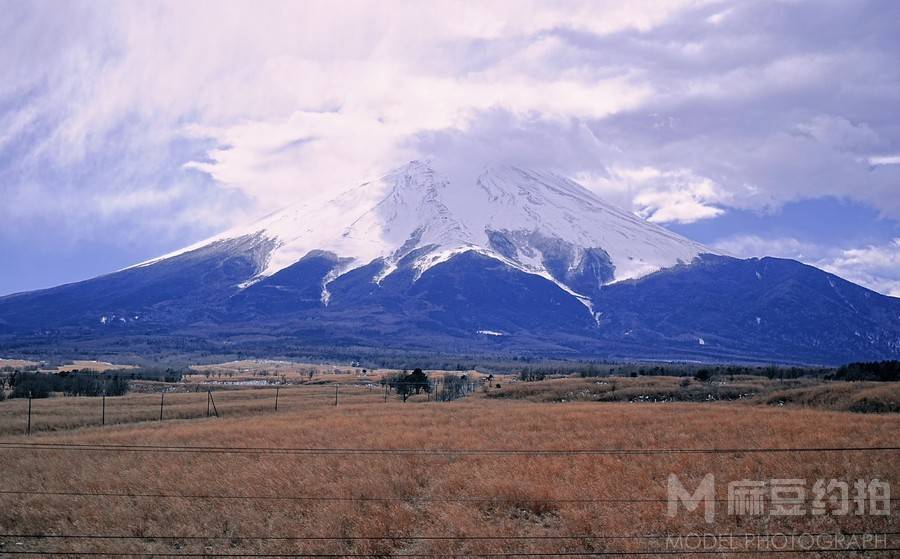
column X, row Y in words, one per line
column 129, row 129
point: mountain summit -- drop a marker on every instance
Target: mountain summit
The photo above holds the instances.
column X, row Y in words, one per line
column 511, row 261
column 536, row 222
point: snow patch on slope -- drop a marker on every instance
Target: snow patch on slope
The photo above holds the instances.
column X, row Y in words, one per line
column 546, row 225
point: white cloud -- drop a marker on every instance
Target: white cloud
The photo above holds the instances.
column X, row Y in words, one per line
column 678, row 110
column 117, row 203
column 874, row 266
column 670, row 196
column 840, row 133
column 884, row 160
column 748, row 246
column 877, row 267
column 358, row 82
column 674, row 206
column 358, row 141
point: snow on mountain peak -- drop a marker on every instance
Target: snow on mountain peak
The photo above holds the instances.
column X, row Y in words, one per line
column 535, row 221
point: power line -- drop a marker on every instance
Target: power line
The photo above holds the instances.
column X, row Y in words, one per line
column 461, row 555
column 427, row 538
column 610, row 500
column 99, row 447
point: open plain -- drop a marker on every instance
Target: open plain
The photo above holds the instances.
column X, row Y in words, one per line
column 374, row 476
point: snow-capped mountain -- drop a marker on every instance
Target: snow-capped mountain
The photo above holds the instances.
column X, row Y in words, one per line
column 537, row 222
column 510, row 261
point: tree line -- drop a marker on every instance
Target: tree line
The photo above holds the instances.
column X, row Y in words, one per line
column 881, row 371
column 23, row 384
column 28, row 383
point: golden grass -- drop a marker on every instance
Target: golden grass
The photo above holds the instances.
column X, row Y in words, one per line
column 292, row 372
column 77, row 365
column 16, row 363
column 867, row 397
column 521, row 487
column 91, row 365
column 64, row 413
column 870, row 397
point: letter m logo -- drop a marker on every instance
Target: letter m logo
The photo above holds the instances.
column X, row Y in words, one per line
column 705, row 492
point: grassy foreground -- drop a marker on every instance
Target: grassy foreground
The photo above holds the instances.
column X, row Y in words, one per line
column 426, row 503
column 860, row 397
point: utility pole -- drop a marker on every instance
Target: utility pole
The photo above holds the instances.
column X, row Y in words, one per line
column 336, row 394
column 162, row 401
column 211, row 400
column 276, row 397
column 103, row 416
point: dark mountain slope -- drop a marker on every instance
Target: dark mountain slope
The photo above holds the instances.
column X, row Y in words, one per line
column 769, row 308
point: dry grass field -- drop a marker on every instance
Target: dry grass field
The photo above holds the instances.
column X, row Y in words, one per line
column 91, row 365
column 16, row 363
column 866, row 397
column 178, row 402
column 291, row 372
column 77, row 365
column 425, row 486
